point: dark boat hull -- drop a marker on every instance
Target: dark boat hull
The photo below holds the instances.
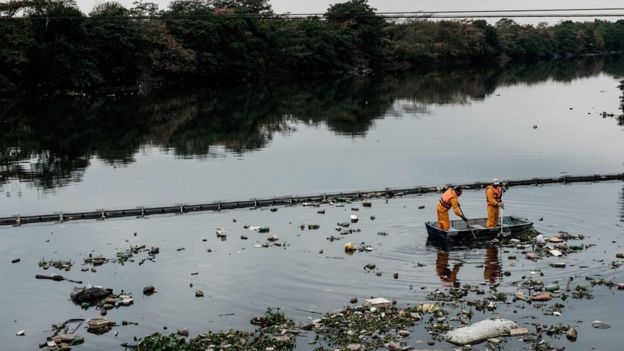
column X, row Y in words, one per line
column 476, row 230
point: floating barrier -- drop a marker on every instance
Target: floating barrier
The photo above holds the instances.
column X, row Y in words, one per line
column 141, row 212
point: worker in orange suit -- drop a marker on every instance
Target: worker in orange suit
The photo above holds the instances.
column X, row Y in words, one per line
column 494, row 197
column 449, row 199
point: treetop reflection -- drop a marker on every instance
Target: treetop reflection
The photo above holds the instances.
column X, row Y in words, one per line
column 51, row 142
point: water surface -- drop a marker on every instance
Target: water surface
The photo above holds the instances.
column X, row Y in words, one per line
column 311, row 273
column 82, row 153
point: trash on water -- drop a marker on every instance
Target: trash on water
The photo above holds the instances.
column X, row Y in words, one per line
column 348, row 247
column 552, row 287
column 370, row 266
column 555, row 252
column 600, row 325
column 428, row 308
column 354, row 218
column 541, row 296
column 99, row 325
column 221, row 233
column 91, row 295
column 481, row 331
column 259, row 229
column 379, row 302
column 571, row 334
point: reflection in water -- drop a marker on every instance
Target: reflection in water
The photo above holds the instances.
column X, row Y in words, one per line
column 50, row 143
column 622, row 205
column 492, row 269
column 448, row 276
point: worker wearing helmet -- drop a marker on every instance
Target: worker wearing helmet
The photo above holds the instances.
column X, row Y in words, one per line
column 449, row 199
column 494, row 197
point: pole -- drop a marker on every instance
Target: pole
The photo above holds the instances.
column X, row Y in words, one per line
column 501, row 210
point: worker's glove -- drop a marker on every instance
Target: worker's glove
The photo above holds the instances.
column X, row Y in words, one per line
column 501, row 205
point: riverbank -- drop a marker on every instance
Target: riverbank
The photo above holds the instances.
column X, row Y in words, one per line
column 191, row 44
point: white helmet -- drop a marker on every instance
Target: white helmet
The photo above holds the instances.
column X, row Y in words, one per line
column 495, row 181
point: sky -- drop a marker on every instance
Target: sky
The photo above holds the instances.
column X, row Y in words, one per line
column 314, row 6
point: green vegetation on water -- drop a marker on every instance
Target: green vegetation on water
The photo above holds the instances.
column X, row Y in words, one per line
column 276, row 332
column 52, row 46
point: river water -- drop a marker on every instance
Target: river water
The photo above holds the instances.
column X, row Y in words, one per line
column 387, row 131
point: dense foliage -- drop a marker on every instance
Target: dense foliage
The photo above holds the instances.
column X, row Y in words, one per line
column 50, row 45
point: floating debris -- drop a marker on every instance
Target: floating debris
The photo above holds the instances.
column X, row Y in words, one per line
column 370, row 266
column 481, row 331
column 582, row 292
column 369, row 327
column 348, row 247
column 379, row 302
column 58, row 264
column 600, row 325
column 571, row 334
column 95, row 260
column 541, row 296
column 90, row 295
column 122, row 257
column 275, row 333
column 259, row 229
column 99, row 326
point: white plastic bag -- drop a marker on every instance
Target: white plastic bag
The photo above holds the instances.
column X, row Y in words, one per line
column 480, row 331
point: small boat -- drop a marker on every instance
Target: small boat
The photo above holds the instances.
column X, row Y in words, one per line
column 475, row 229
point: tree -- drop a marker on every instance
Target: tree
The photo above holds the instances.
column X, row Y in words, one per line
column 250, row 6
column 118, row 45
column 363, row 23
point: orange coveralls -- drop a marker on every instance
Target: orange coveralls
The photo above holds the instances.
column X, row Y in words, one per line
column 449, row 199
column 493, row 195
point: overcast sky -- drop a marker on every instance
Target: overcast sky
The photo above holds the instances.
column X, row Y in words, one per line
column 306, row 6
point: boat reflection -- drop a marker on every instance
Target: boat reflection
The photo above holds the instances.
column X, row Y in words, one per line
column 449, row 276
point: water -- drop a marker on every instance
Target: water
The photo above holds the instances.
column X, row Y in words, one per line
column 240, row 281
column 83, row 153
column 416, row 129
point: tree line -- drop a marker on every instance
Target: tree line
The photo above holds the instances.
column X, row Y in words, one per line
column 50, row 45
